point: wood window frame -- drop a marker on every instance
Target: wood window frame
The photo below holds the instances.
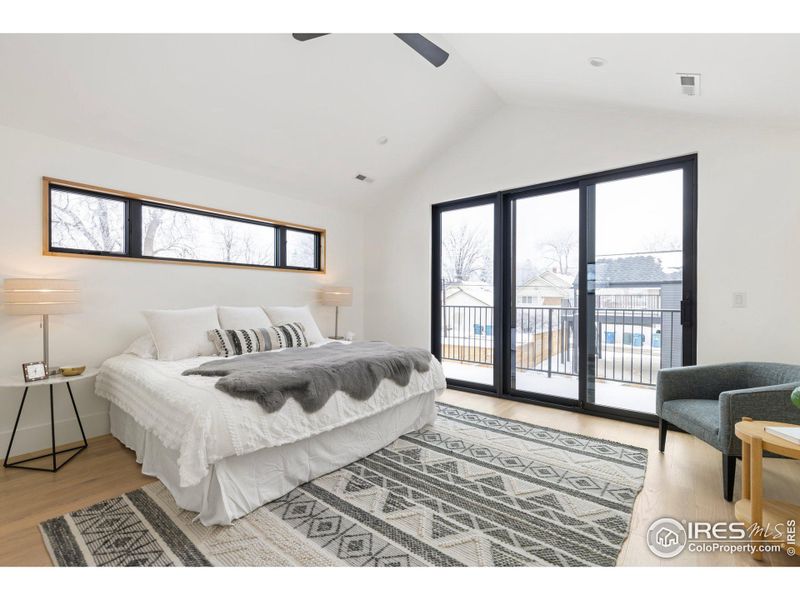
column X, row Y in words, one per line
column 134, row 202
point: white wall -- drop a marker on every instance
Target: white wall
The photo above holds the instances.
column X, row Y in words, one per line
column 748, row 204
column 749, row 211
column 114, row 292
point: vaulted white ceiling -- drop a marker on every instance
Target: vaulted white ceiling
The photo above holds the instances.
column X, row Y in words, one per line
column 263, row 110
column 303, row 119
column 743, row 76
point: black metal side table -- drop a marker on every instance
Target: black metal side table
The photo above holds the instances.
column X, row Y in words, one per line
column 51, row 382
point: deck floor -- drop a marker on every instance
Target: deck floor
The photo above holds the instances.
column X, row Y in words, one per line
column 627, row 396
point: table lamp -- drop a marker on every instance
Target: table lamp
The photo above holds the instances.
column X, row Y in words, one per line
column 43, row 297
column 337, row 296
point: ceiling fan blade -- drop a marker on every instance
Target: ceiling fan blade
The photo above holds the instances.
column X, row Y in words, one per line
column 425, row 48
column 304, row 37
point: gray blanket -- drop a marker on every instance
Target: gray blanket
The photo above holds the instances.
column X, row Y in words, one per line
column 312, row 375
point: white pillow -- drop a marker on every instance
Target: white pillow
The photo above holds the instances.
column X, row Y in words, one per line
column 143, row 347
column 182, row 334
column 280, row 315
column 243, row 317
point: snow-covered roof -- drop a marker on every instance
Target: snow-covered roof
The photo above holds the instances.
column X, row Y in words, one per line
column 478, row 290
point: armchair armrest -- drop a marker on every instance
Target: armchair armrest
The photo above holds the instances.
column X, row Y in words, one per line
column 698, row 382
column 768, row 403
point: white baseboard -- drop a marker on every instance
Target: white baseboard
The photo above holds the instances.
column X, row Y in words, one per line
column 37, row 437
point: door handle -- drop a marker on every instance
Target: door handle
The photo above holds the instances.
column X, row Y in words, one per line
column 686, row 312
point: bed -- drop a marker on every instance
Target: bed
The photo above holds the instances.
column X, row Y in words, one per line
column 223, row 457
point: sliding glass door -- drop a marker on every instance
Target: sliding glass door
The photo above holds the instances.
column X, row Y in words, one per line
column 464, row 293
column 575, row 293
column 637, row 263
column 546, row 290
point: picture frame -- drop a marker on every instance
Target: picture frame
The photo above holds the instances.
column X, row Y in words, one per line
column 34, row 371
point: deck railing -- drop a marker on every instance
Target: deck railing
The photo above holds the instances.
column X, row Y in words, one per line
column 648, row 301
column 631, row 345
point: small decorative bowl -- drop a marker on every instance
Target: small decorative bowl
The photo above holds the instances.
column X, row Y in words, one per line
column 72, row 371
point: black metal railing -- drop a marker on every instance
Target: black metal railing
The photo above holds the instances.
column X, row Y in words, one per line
column 468, row 334
column 631, row 345
column 546, row 339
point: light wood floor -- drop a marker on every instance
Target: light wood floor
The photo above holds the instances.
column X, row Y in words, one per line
column 684, row 482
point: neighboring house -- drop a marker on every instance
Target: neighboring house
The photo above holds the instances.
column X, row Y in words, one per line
column 640, row 275
column 638, row 307
column 469, row 293
column 468, row 310
column 634, row 282
column 546, row 289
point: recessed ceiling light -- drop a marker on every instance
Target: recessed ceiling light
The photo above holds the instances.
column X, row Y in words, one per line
column 597, row 61
column 382, row 140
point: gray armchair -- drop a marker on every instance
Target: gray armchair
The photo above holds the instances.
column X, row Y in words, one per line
column 708, row 401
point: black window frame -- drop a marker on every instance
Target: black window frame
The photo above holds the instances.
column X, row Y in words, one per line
column 49, row 232
column 132, row 238
column 282, row 248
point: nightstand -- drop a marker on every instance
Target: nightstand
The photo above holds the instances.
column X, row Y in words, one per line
column 19, row 382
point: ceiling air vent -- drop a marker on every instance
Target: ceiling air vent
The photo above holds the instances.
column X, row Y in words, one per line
column 364, row 178
column 690, row 83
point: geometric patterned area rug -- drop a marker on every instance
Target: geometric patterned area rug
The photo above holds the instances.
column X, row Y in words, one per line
column 470, row 490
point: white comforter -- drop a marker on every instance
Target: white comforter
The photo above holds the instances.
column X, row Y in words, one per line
column 205, row 425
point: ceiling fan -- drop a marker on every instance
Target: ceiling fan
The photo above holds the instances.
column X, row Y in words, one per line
column 420, row 44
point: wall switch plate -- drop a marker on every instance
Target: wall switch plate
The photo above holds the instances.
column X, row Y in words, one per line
column 739, row 300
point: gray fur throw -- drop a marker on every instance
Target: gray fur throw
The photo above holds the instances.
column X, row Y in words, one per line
column 312, row 375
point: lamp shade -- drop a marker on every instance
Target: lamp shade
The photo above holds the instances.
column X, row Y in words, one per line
column 336, row 296
column 41, row 296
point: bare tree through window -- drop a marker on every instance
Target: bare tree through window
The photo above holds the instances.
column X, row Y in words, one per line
column 87, row 222
column 91, row 220
column 177, row 234
column 166, row 233
column 466, row 254
column 559, row 249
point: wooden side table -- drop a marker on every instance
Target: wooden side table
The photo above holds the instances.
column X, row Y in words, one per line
column 19, row 382
column 753, row 508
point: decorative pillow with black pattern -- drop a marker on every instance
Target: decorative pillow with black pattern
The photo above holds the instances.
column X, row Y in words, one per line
column 233, row 342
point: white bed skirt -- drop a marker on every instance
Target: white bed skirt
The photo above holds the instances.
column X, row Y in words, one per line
column 238, row 485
